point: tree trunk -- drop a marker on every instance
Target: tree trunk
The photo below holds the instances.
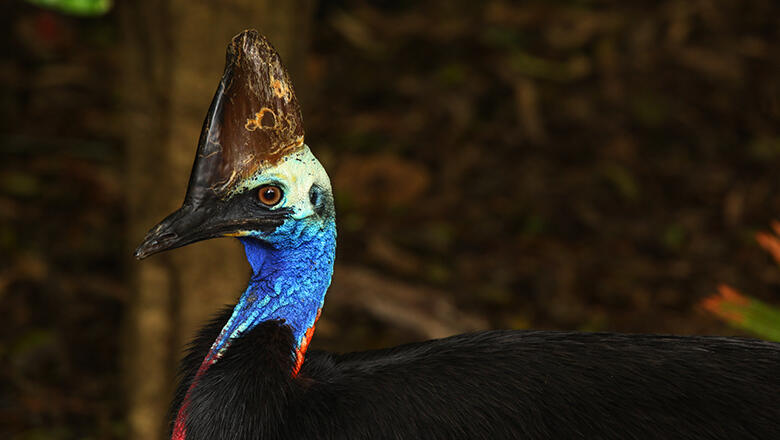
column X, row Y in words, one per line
column 172, row 61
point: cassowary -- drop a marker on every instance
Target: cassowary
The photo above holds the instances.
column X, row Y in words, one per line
column 245, row 376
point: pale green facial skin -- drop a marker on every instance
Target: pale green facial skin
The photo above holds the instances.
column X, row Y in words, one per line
column 294, row 174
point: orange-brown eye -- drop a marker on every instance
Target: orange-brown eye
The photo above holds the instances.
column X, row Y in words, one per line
column 269, row 195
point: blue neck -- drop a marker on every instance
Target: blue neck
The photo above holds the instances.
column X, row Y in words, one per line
column 290, row 276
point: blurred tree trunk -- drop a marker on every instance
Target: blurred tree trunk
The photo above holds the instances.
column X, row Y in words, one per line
column 172, row 61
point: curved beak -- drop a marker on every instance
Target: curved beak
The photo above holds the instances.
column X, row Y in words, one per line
column 212, row 219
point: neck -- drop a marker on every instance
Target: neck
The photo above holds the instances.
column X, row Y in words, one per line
column 289, row 281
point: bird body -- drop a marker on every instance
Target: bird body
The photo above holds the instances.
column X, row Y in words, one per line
column 488, row 385
column 248, row 376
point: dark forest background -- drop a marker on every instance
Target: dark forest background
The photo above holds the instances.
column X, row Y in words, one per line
column 589, row 165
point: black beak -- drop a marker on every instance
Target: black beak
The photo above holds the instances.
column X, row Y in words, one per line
column 211, row 219
column 174, row 231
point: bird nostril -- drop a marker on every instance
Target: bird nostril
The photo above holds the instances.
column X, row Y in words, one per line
column 166, row 236
column 162, row 239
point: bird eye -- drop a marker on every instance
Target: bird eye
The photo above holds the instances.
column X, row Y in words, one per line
column 269, row 195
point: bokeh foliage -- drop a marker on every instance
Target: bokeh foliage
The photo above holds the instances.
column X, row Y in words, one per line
column 77, row 7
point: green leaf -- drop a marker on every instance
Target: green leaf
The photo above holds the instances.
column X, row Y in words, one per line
column 76, row 7
column 745, row 313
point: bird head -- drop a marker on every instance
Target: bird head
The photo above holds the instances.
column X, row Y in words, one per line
column 253, row 175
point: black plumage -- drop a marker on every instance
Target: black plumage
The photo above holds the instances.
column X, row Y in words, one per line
column 488, row 385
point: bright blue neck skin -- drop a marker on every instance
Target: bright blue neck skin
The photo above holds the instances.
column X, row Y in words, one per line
column 291, row 271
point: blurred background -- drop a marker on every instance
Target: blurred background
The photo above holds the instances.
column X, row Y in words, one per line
column 571, row 164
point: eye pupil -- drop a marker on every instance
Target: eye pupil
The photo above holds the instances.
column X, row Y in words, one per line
column 269, row 195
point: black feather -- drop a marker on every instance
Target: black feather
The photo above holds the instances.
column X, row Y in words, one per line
column 487, row 385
